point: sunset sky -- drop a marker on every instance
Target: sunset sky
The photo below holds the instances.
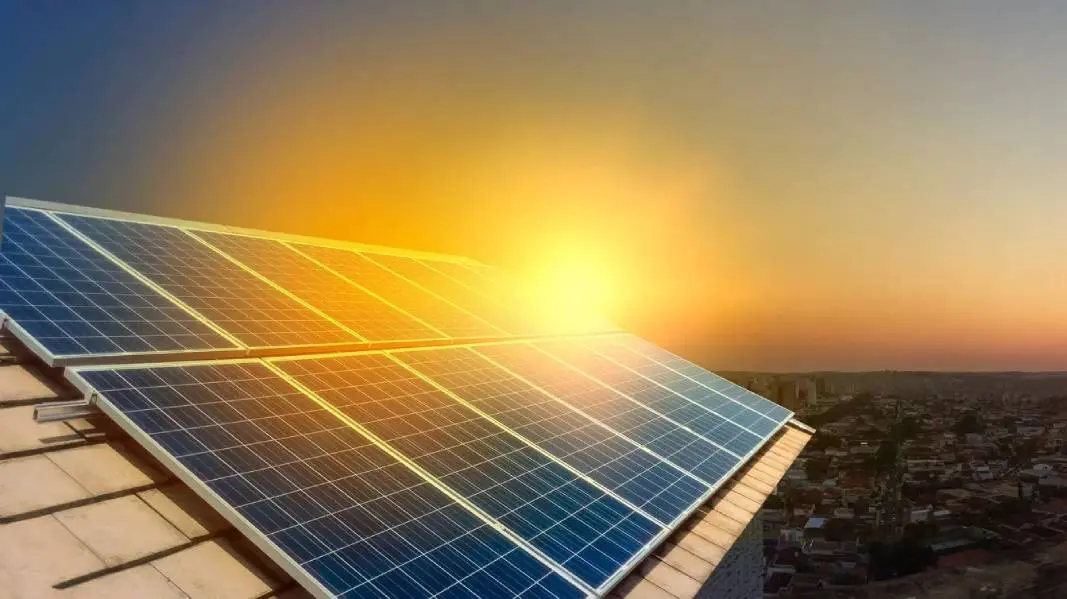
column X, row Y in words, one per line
column 819, row 185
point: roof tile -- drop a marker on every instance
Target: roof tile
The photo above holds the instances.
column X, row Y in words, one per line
column 185, row 510
column 213, row 570
column 19, row 431
column 669, row 578
column 19, row 384
column 686, row 562
column 37, row 553
column 105, row 468
column 121, row 530
column 141, row 581
column 636, row 587
column 34, row 483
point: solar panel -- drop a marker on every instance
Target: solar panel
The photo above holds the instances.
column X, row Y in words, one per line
column 75, row 302
column 658, row 363
column 665, row 492
column 401, row 293
column 590, row 533
column 246, row 307
column 342, row 515
column 694, row 417
column 350, row 305
column 629, row 418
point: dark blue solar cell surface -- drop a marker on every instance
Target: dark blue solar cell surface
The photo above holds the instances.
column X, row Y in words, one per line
column 699, row 419
column 77, row 302
column 661, row 490
column 629, row 418
column 586, row 530
column 740, row 405
column 244, row 306
column 356, row 520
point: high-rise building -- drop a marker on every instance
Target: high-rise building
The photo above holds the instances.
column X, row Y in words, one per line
column 811, row 392
column 787, row 394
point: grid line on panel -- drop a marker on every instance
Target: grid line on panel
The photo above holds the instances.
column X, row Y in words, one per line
column 338, row 505
column 575, row 524
column 630, row 470
column 499, row 291
column 428, row 477
column 711, row 380
column 143, row 279
column 75, row 300
column 584, row 476
column 423, row 274
column 400, row 292
column 246, row 307
column 626, row 348
column 684, row 387
column 470, row 278
column 721, row 430
column 684, row 449
column 635, row 389
column 419, row 324
column 388, row 263
column 425, row 474
column 705, row 378
column 284, row 291
column 350, row 305
column 559, row 397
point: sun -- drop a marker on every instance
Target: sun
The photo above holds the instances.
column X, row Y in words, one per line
column 575, row 290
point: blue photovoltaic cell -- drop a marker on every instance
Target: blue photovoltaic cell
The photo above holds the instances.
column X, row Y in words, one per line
column 661, row 490
column 77, row 302
column 348, row 304
column 400, row 292
column 355, row 519
column 702, row 421
column 244, row 306
column 665, row 438
column 672, row 368
column 619, row 350
column 580, row 527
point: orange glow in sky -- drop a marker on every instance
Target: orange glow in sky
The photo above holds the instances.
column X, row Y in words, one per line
column 758, row 189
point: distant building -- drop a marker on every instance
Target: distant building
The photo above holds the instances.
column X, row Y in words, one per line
column 811, row 392
column 787, row 394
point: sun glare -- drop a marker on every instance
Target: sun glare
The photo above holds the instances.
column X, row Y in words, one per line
column 575, row 290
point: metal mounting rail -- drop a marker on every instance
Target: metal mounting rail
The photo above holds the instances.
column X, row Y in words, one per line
column 59, row 411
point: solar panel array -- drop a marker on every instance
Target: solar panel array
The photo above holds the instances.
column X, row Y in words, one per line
column 359, row 522
column 74, row 301
column 189, row 290
column 455, row 443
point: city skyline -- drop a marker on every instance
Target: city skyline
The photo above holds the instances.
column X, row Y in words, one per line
column 769, row 188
